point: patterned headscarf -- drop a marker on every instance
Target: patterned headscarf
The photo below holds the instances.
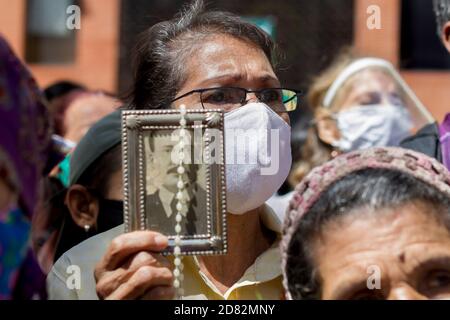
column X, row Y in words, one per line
column 321, row 178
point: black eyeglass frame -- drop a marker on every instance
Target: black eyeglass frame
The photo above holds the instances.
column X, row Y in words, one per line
column 298, row 93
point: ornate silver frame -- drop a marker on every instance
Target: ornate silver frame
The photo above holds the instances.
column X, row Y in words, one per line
column 134, row 125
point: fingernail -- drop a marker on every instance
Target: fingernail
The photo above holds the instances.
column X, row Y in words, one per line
column 160, row 240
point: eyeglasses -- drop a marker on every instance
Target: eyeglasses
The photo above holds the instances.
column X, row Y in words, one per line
column 230, row 98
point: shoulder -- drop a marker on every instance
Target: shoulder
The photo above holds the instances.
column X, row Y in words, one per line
column 426, row 140
column 72, row 276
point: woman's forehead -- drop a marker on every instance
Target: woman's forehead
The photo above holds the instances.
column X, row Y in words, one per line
column 389, row 231
column 224, row 58
column 372, row 80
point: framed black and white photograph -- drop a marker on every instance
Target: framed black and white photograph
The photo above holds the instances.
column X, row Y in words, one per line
column 154, row 185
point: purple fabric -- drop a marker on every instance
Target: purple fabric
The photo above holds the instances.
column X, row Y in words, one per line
column 24, row 126
column 444, row 131
column 25, row 136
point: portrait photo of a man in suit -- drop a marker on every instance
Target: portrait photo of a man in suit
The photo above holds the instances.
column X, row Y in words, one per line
column 161, row 188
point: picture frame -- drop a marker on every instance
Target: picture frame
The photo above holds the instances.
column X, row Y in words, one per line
column 150, row 177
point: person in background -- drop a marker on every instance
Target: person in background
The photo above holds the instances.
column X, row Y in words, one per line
column 370, row 225
column 60, row 89
column 91, row 201
column 358, row 103
column 59, row 96
column 74, row 109
column 86, row 110
column 434, row 139
column 25, row 147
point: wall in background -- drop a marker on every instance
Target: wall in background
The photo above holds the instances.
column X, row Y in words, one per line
column 96, row 54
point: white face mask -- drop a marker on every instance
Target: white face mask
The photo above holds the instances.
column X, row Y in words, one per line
column 364, row 127
column 258, row 156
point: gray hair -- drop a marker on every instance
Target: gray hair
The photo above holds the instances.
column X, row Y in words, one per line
column 163, row 49
column 442, row 11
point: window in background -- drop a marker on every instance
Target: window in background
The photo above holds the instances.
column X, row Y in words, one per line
column 48, row 40
column 420, row 45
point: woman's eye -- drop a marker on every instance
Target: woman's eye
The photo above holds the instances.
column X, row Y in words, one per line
column 271, row 96
column 369, row 98
column 438, row 280
column 215, row 97
column 367, row 295
column 396, row 99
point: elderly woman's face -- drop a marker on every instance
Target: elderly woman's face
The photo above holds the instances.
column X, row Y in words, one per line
column 403, row 253
column 225, row 61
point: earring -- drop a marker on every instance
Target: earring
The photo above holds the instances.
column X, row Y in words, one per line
column 87, row 228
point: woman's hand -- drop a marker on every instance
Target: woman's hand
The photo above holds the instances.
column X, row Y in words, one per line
column 132, row 268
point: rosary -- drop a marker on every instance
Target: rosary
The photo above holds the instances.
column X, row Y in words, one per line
column 182, row 203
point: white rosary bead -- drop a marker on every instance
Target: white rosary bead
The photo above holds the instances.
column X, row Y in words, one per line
column 178, row 270
column 179, row 195
column 180, row 170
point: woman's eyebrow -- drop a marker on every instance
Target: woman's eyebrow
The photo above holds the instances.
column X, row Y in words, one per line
column 345, row 289
column 230, row 78
column 441, row 260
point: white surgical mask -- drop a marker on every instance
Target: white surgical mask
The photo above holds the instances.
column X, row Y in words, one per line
column 363, row 127
column 258, row 156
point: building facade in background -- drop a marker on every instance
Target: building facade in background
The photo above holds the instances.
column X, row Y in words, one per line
column 309, row 34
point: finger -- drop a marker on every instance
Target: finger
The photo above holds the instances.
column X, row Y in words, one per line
column 142, row 280
column 127, row 244
column 111, row 280
column 159, row 293
column 145, row 258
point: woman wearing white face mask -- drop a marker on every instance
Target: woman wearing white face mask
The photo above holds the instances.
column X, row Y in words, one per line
column 358, row 104
column 225, row 63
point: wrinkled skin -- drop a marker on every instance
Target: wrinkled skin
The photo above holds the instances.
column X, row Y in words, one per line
column 407, row 247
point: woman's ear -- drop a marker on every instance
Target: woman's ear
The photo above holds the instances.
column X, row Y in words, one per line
column 327, row 128
column 446, row 35
column 82, row 205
